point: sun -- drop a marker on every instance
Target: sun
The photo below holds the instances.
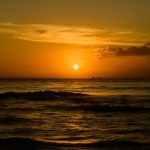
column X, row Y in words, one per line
column 76, row 67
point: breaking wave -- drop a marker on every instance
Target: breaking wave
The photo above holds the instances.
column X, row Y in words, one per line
column 27, row 143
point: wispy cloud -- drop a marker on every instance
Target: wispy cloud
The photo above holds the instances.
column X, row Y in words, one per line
column 73, row 34
column 51, row 33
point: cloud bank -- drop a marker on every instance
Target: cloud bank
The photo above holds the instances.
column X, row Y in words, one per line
column 80, row 35
column 120, row 51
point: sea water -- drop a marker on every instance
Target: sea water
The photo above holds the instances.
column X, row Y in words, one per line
column 52, row 114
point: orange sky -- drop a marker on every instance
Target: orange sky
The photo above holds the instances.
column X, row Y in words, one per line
column 48, row 39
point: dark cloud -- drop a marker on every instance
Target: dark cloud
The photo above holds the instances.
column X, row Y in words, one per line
column 134, row 51
column 119, row 51
column 41, row 31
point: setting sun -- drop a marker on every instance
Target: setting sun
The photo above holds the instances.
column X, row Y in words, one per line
column 76, row 67
column 75, row 73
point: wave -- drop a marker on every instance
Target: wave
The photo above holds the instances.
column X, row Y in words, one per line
column 122, row 109
column 117, row 88
column 48, row 95
column 27, row 131
column 38, row 95
column 101, row 109
column 82, row 102
column 117, row 144
column 13, row 120
column 145, row 131
column 20, row 143
column 83, row 108
column 27, row 143
column 53, row 95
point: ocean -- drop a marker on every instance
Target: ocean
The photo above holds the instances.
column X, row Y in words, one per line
column 74, row 114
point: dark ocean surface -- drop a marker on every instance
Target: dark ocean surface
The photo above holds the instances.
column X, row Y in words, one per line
column 74, row 114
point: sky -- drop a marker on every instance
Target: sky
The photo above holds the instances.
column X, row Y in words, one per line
column 45, row 38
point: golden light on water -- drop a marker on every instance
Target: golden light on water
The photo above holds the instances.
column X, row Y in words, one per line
column 76, row 67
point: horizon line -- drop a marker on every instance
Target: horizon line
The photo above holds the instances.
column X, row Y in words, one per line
column 83, row 78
